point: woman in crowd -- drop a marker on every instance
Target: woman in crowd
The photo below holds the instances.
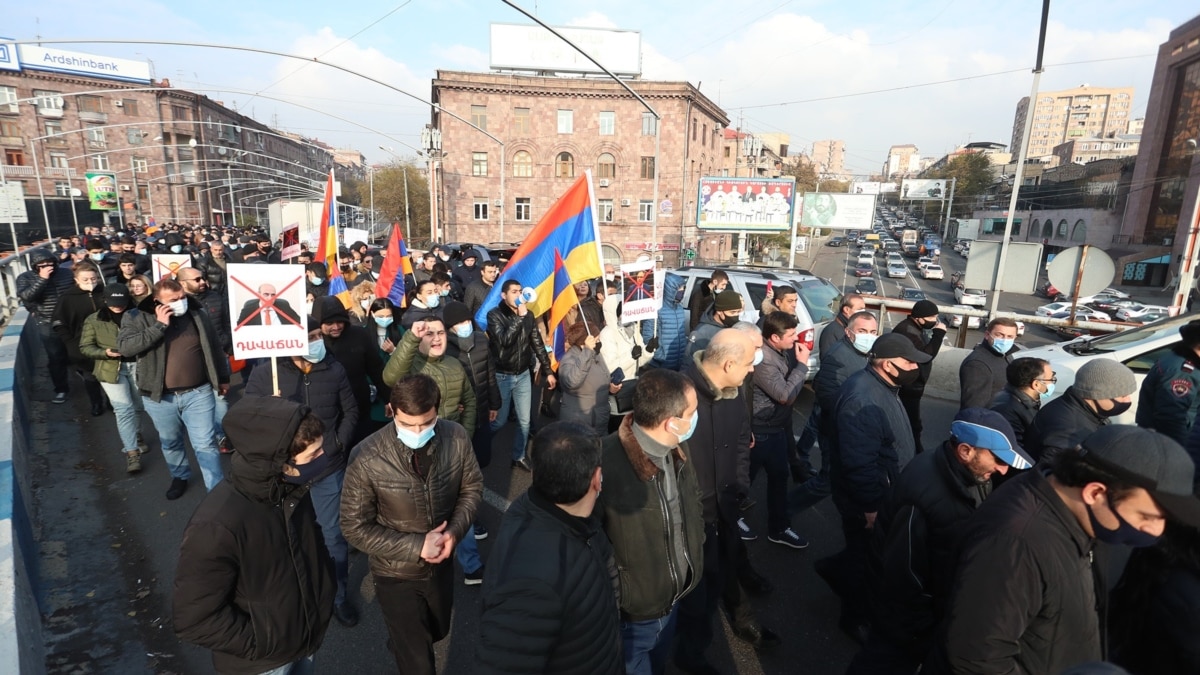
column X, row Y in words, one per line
column 383, row 321
column 140, row 288
column 116, row 373
column 585, row 381
column 361, row 297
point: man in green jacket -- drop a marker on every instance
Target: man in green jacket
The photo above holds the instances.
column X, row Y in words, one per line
column 423, row 350
column 649, row 482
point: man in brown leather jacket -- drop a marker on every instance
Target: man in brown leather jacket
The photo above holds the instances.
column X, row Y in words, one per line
column 410, row 495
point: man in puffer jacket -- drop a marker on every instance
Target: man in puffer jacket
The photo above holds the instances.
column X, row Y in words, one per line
column 319, row 382
column 38, row 291
column 254, row 582
column 423, row 350
column 667, row 337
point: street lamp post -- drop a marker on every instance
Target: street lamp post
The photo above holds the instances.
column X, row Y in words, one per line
column 431, row 140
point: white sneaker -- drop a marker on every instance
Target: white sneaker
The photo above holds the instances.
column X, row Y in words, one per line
column 744, row 530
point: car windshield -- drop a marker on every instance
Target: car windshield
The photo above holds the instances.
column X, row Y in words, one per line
column 820, row 298
column 974, row 291
column 1168, row 327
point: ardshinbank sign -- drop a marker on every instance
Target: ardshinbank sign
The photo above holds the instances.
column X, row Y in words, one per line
column 78, row 63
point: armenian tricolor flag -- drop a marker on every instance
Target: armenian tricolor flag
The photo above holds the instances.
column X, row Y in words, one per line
column 396, row 266
column 564, row 300
column 569, row 226
column 327, row 245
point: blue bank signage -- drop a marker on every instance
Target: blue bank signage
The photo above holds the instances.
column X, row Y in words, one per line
column 8, row 56
column 78, row 63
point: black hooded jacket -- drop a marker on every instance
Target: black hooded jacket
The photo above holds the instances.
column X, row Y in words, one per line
column 357, row 351
column 255, row 583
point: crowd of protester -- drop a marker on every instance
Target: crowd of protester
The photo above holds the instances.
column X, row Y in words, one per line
column 1036, row 536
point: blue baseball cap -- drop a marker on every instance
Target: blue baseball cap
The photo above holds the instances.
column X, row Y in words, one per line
column 983, row 428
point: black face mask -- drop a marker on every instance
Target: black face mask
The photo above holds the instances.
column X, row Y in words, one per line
column 1118, row 407
column 1124, row 535
column 905, row 378
column 729, row 321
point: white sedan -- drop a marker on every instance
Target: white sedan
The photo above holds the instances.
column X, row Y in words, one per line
column 924, row 261
column 1136, row 312
column 932, row 271
column 1053, row 308
column 955, row 320
column 970, row 296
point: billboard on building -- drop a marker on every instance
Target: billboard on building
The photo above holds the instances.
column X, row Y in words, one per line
column 924, row 188
column 102, row 191
column 530, row 47
column 865, row 188
column 752, row 204
column 8, row 56
column 78, row 63
column 838, row 211
column 885, row 188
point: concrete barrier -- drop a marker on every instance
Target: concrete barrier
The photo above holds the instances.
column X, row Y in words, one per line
column 22, row 647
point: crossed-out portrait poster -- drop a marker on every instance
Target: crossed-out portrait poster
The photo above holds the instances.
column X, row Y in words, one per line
column 167, row 264
column 266, row 310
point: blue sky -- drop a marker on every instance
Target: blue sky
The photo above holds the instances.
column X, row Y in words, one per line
column 749, row 56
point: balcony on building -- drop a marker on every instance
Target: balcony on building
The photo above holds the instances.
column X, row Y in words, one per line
column 87, row 116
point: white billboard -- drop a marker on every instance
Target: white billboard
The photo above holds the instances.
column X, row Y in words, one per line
column 865, row 188
column 530, row 47
column 12, row 203
column 752, row 204
column 838, row 211
column 935, row 189
column 62, row 61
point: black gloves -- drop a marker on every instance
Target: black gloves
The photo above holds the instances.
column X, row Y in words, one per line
column 652, row 344
column 636, row 352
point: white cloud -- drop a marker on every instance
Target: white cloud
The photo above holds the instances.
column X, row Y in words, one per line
column 462, row 56
column 592, row 20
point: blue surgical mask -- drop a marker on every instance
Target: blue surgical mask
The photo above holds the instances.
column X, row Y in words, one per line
column 1002, row 346
column 444, row 292
column 317, row 281
column 383, row 321
column 1045, row 395
column 464, row 330
column 691, row 427
column 98, row 257
column 432, row 301
column 864, row 341
column 413, row 439
column 316, row 351
column 176, row 248
column 758, row 357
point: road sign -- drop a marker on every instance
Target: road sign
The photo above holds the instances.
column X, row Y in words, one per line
column 12, row 203
column 1094, row 267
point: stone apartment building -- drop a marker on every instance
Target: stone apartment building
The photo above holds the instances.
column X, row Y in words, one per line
column 1061, row 116
column 551, row 129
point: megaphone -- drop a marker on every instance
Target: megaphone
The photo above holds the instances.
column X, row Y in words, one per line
column 527, row 296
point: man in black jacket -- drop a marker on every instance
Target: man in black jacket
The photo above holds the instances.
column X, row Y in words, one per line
column 852, row 303
column 1025, row 597
column 917, row 536
column 319, row 382
column 515, row 342
column 356, row 350
column 38, row 291
column 926, row 332
column 1030, row 380
column 477, row 291
column 213, row 265
column 254, row 582
column 1103, row 389
column 553, row 613
column 982, row 373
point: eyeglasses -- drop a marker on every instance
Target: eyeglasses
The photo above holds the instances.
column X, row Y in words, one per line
column 1053, row 379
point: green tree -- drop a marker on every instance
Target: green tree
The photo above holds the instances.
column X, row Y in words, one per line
column 390, row 201
column 972, row 173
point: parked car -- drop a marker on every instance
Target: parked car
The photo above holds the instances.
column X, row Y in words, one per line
column 864, row 270
column 897, row 270
column 1138, row 348
column 955, row 320
column 836, row 241
column 932, row 271
column 1151, row 316
column 1111, row 306
column 1052, row 308
column 866, row 287
column 1137, row 311
column 970, row 296
column 1082, row 313
column 912, row 294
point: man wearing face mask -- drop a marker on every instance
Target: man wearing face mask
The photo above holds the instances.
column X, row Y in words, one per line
column 180, row 370
column 316, row 280
column 982, row 373
column 726, row 310
column 917, row 536
column 874, row 442
column 412, row 491
column 653, row 515
column 426, row 304
column 252, row 563
column 1030, row 383
column 1103, row 389
column 423, row 350
column 1030, row 567
column 926, row 332
column 97, row 252
column 319, row 382
column 703, row 293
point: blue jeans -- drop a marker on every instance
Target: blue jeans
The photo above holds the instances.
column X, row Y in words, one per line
column 467, row 553
column 646, row 644
column 220, row 407
column 126, row 403
column 327, row 496
column 302, row 667
column 190, row 411
column 515, row 390
column 770, row 453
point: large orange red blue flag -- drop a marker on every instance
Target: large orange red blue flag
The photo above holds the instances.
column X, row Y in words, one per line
column 569, row 226
column 327, row 245
column 396, row 267
column 564, row 300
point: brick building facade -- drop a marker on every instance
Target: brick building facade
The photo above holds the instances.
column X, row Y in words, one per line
column 553, row 128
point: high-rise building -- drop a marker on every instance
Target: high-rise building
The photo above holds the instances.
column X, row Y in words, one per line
column 903, row 160
column 830, row 158
column 1070, row 114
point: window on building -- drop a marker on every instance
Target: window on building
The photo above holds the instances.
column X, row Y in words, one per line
column 62, row 188
column 58, row 160
column 727, row 152
column 606, row 166
column 1079, row 232
column 604, row 208
column 608, row 123
column 480, row 206
column 8, row 96
column 647, row 167
column 130, row 106
column 90, row 104
column 143, row 193
column 522, row 165
column 189, row 193
column 134, row 136
column 649, row 126
column 479, row 164
column 1062, row 228
column 524, row 209
column 95, row 136
column 522, row 121
column 703, row 131
column 14, row 157
column 99, row 163
column 179, row 112
column 646, row 211
column 140, row 165
column 693, row 129
column 564, row 165
column 10, row 129
column 566, row 121
column 479, row 116
column 47, row 99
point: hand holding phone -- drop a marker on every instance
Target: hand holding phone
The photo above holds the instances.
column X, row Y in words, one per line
column 618, row 376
